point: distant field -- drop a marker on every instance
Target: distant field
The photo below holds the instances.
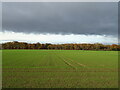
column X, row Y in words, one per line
column 60, row 69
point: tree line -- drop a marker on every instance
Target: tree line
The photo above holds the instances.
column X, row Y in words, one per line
column 85, row 46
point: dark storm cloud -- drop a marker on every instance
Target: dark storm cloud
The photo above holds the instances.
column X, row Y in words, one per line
column 65, row 18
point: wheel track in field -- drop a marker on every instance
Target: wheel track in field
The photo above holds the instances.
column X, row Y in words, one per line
column 83, row 65
column 68, row 63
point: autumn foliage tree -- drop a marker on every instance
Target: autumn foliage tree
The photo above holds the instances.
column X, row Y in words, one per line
column 85, row 46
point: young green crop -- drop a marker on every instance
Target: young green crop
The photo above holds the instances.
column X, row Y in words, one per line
column 60, row 69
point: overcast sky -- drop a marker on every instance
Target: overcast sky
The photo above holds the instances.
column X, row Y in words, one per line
column 71, row 18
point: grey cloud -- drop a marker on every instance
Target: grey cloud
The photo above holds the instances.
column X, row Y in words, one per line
column 61, row 17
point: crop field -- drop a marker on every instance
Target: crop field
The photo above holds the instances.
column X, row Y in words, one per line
column 59, row 69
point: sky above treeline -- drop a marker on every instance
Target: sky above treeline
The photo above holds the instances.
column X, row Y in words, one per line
column 60, row 22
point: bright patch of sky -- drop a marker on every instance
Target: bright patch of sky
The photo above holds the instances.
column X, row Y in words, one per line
column 56, row 38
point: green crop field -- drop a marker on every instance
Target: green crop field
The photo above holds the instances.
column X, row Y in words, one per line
column 59, row 69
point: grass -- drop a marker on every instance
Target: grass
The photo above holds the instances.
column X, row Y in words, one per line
column 60, row 69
